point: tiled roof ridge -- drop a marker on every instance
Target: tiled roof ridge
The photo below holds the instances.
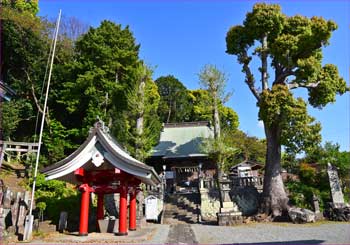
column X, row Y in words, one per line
column 186, row 124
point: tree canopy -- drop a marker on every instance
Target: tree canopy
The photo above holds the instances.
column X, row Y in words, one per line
column 174, row 102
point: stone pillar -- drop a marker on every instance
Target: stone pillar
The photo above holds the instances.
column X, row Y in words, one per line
column 123, row 231
column 84, row 210
column 100, row 209
column 132, row 211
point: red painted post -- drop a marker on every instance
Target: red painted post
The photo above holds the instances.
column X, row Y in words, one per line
column 132, row 211
column 100, row 209
column 84, row 210
column 123, row 231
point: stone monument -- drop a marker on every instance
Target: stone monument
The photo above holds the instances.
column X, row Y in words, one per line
column 337, row 210
column 334, row 182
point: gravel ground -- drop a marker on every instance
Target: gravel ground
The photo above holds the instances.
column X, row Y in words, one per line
column 277, row 233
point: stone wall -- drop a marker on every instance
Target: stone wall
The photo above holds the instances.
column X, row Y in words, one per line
column 247, row 199
column 210, row 204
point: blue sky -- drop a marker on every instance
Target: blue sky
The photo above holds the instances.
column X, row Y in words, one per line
column 179, row 37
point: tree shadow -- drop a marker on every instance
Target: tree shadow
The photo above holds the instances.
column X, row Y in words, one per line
column 191, row 147
column 164, row 148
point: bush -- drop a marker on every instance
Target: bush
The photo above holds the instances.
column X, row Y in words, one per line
column 301, row 195
column 55, row 196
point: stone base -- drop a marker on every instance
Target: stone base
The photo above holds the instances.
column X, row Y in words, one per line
column 319, row 216
column 229, row 219
column 230, row 207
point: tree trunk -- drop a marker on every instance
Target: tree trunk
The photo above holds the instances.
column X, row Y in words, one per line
column 275, row 199
column 139, row 120
column 169, row 113
column 264, row 75
column 216, row 119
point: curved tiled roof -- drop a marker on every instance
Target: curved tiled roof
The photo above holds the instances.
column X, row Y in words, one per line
column 99, row 140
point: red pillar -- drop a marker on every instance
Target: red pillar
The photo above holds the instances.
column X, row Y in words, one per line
column 100, row 209
column 132, row 211
column 84, row 210
column 123, row 230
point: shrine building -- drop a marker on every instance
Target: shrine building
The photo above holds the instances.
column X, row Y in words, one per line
column 181, row 155
column 101, row 166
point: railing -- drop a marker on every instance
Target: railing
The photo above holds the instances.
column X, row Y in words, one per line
column 255, row 181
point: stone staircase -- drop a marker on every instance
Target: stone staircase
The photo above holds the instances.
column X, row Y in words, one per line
column 182, row 208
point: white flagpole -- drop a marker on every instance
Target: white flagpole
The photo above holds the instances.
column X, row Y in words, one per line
column 29, row 221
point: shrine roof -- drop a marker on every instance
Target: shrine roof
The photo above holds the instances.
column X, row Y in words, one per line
column 179, row 140
column 100, row 151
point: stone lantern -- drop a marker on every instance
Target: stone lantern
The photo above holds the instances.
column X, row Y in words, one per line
column 229, row 213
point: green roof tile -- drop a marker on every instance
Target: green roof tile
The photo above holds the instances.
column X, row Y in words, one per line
column 182, row 140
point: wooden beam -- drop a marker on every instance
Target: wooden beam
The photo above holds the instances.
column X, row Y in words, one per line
column 18, row 143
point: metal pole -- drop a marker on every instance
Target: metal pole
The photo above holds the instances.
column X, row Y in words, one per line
column 30, row 219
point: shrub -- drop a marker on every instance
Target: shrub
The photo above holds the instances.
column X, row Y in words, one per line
column 55, row 196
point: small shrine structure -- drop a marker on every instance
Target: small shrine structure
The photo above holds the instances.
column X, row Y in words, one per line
column 101, row 166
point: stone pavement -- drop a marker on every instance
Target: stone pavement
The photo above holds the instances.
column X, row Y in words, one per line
column 181, row 234
column 275, row 233
column 262, row 233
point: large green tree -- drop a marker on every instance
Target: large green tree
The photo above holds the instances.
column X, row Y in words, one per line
column 174, row 100
column 292, row 47
column 104, row 66
column 106, row 79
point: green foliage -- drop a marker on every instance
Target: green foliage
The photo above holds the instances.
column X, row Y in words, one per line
column 104, row 66
column 13, row 112
column 201, row 110
column 312, row 182
column 329, row 86
column 22, row 68
column 250, row 148
column 57, row 142
column 31, row 6
column 220, row 151
column 144, row 123
column 298, row 130
column 173, row 106
column 330, row 153
column 307, row 174
column 55, row 196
